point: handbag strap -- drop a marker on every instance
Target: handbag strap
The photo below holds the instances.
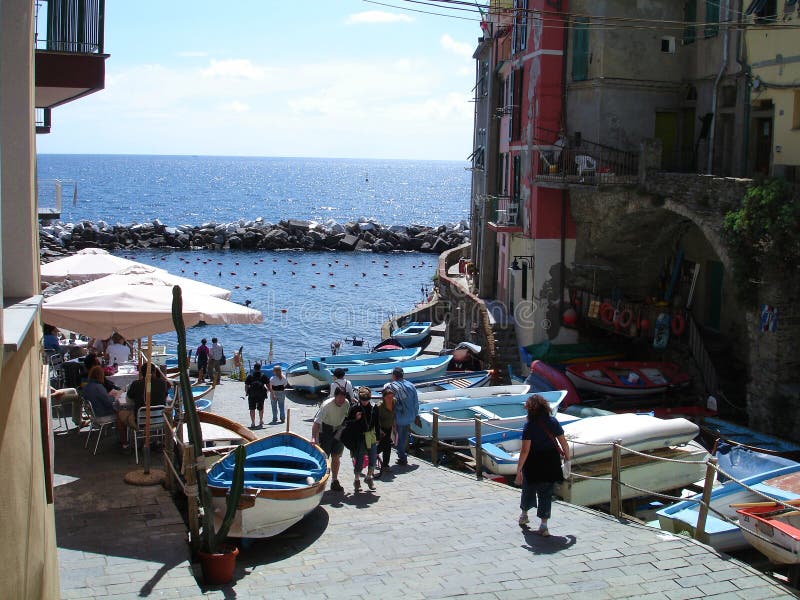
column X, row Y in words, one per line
column 550, row 435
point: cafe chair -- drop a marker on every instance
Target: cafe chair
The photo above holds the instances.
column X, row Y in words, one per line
column 156, row 426
column 97, row 424
column 56, row 362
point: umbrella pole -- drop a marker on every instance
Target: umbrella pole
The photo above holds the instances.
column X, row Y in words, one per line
column 147, row 381
column 146, row 477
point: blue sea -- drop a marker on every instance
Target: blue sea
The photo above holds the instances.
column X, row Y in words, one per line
column 308, row 299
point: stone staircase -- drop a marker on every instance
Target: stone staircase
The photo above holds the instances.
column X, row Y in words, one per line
column 505, row 339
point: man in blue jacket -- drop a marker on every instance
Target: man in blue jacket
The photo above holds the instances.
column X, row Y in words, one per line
column 406, row 410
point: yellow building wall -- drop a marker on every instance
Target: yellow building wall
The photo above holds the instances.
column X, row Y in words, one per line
column 28, row 555
column 767, row 44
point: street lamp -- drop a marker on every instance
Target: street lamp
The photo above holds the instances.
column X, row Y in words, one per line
column 527, row 263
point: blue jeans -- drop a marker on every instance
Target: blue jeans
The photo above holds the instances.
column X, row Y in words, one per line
column 402, row 441
column 277, row 399
column 537, row 494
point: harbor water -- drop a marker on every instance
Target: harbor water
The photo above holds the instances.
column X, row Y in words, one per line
column 308, row 299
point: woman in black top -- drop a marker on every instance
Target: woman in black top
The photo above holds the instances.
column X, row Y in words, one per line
column 361, row 437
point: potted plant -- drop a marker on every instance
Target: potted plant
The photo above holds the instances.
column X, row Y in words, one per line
column 217, row 559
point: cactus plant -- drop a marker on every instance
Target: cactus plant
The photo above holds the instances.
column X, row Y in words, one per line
column 210, row 538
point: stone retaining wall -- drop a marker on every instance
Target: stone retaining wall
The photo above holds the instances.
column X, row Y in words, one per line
column 364, row 234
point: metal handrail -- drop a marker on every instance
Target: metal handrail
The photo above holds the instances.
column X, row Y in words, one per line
column 73, row 26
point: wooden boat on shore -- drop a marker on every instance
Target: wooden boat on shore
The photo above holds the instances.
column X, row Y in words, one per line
column 455, row 380
column 490, row 391
column 545, row 378
column 758, row 471
column 457, row 417
column 630, row 378
column 773, row 530
column 285, row 477
column 566, row 354
column 220, row 434
column 367, row 358
column 714, row 429
column 371, row 375
column 412, row 334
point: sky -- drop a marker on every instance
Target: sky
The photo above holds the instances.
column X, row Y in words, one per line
column 321, row 78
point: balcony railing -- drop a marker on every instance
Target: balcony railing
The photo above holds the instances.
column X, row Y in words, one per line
column 74, row 26
column 51, row 194
column 586, row 163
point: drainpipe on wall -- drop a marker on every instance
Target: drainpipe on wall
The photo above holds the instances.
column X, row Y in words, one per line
column 562, row 270
column 742, row 60
column 723, row 67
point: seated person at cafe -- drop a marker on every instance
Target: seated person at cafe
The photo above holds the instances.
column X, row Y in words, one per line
column 89, row 361
column 118, row 350
column 159, row 387
column 103, row 404
column 50, row 339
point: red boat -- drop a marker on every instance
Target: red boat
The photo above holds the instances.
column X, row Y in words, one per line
column 630, row 378
column 545, row 378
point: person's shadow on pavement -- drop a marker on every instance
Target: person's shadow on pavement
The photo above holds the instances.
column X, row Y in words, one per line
column 546, row 545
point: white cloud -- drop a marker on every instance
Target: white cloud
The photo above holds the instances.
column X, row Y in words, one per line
column 192, row 54
column 376, row 16
column 239, row 68
column 236, row 106
column 461, row 49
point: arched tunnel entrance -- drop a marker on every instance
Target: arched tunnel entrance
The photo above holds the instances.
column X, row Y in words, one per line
column 657, row 257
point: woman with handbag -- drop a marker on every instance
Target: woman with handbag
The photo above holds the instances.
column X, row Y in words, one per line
column 539, row 465
column 362, row 431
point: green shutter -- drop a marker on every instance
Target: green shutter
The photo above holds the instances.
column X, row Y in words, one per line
column 580, row 49
column 690, row 18
column 712, row 18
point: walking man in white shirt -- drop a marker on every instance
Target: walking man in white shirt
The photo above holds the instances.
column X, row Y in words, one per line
column 215, row 354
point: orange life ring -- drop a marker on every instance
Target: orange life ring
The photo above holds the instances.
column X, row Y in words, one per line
column 607, row 313
column 626, row 318
column 677, row 324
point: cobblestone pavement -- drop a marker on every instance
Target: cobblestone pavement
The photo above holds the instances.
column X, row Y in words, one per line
column 424, row 533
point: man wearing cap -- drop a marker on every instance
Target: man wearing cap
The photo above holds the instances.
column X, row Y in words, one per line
column 341, row 383
column 406, row 409
column 327, row 424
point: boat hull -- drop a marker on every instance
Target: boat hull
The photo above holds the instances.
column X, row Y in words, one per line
column 641, row 472
column 412, row 334
column 780, row 527
column 285, row 477
column 457, row 417
column 626, row 379
column 300, row 380
column 475, row 392
column 375, row 375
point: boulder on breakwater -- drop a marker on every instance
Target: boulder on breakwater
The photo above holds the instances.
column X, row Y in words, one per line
column 297, row 234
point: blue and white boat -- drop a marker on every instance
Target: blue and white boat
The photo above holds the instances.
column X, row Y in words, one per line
column 301, row 380
column 372, row 375
column 762, row 472
column 285, row 477
column 202, row 393
column 714, row 428
column 457, row 417
column 457, row 381
column 412, row 334
column 491, row 391
column 368, row 358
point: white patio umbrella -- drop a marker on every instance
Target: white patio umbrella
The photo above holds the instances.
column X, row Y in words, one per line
column 85, row 265
column 147, row 275
column 138, row 309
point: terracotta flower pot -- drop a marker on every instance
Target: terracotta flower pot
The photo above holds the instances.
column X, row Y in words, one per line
column 218, row 567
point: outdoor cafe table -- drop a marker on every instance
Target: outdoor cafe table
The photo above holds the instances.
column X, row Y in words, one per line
column 126, row 374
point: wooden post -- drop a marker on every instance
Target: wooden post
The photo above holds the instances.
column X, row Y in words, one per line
column 478, row 450
column 616, row 487
column 169, row 452
column 191, row 498
column 702, row 512
column 435, row 440
column 288, row 418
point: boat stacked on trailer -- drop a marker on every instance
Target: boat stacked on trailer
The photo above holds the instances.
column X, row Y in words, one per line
column 371, row 375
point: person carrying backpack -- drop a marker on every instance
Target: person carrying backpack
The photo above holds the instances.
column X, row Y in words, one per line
column 256, row 389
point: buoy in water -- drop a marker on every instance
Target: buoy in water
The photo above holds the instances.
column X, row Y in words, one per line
column 283, row 310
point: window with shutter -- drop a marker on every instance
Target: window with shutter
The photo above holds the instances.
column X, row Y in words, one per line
column 580, row 49
column 516, row 112
column 712, row 18
column 690, row 19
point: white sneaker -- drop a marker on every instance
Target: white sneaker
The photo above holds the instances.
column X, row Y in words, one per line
column 523, row 519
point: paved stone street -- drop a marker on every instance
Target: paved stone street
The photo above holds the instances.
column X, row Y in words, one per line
column 424, row 533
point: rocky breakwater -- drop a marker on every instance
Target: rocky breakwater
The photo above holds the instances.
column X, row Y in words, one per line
column 364, row 234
